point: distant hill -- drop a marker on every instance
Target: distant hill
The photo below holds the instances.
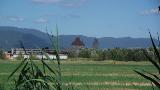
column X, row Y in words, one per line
column 10, row 37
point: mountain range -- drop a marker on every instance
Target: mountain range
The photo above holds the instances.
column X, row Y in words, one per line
column 10, row 37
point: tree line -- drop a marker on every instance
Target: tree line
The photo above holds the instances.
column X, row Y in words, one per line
column 123, row 54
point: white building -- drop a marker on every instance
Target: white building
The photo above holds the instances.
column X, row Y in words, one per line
column 37, row 52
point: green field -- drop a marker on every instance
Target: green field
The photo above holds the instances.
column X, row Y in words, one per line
column 94, row 75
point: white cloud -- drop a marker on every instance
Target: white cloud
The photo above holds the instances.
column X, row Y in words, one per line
column 50, row 15
column 64, row 3
column 151, row 11
column 83, row 0
column 16, row 18
column 72, row 4
column 12, row 18
column 41, row 20
column 74, row 16
column 46, row 1
column 53, row 15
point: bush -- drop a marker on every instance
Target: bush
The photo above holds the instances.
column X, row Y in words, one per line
column 20, row 56
column 1, row 54
column 72, row 53
column 85, row 53
column 98, row 55
column 134, row 54
column 33, row 56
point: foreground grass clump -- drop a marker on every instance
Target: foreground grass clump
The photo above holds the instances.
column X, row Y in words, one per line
column 153, row 77
column 92, row 75
column 31, row 76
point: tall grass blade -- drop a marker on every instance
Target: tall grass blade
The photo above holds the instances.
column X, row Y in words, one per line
column 41, row 81
column 158, row 39
column 44, row 69
column 22, row 46
column 152, row 61
column 155, row 76
column 50, row 37
column 149, row 78
column 1, row 86
column 21, row 64
column 48, row 67
column 155, row 48
column 58, row 61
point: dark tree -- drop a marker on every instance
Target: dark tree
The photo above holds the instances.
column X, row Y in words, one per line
column 1, row 54
column 95, row 43
column 77, row 42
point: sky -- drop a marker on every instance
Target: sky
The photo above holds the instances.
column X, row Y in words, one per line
column 93, row 18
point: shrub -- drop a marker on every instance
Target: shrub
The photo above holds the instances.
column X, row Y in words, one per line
column 135, row 54
column 85, row 53
column 33, row 56
column 98, row 55
column 1, row 54
column 116, row 54
column 72, row 53
column 20, row 56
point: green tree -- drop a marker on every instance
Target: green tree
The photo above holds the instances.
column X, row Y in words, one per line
column 85, row 53
column 98, row 55
column 95, row 43
column 1, row 54
column 72, row 53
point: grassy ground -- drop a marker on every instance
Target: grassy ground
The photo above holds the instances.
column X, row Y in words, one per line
column 94, row 75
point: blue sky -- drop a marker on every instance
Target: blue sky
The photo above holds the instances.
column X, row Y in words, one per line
column 94, row 18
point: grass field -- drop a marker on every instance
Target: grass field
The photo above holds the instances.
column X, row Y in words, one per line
column 94, row 75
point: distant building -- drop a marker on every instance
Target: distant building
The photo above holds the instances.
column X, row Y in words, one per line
column 95, row 43
column 7, row 55
column 77, row 43
column 15, row 52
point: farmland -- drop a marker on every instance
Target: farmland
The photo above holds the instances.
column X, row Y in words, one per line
column 93, row 75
